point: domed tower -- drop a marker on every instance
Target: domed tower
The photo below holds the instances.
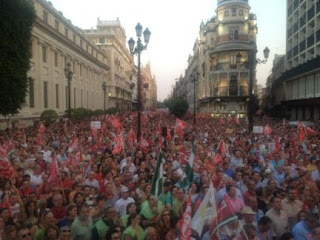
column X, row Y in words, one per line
column 228, row 38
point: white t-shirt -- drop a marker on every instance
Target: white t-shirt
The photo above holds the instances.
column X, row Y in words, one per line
column 121, row 205
column 36, row 180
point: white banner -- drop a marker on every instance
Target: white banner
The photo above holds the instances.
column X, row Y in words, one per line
column 257, row 129
column 95, row 124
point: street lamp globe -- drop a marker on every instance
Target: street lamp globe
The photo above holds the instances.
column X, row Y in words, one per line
column 138, row 30
column 266, row 52
column 131, row 43
column 146, row 35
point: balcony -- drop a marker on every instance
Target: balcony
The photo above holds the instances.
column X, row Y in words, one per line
column 296, row 4
column 231, row 38
column 310, row 13
column 302, row 46
column 310, row 40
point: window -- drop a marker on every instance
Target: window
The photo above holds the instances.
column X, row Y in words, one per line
column 80, row 69
column 226, row 13
column 57, row 95
column 231, row 33
column 66, row 31
column 241, row 12
column 74, row 37
column 44, row 54
column 56, row 59
column 56, row 24
column 31, row 92
column 234, row 12
column 81, row 97
column 233, row 86
column 80, row 43
column 45, row 94
column 45, row 16
column 236, row 34
column 101, row 40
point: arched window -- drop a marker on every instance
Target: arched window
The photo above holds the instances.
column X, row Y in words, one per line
column 231, row 34
column 233, row 86
column 236, row 34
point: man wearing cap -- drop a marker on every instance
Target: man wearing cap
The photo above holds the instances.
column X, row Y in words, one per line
column 121, row 204
column 248, row 216
column 104, row 224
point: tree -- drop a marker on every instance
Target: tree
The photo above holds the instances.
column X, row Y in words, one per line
column 178, row 107
column 49, row 116
column 17, row 17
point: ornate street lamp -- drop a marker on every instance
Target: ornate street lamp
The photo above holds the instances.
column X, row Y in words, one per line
column 251, row 64
column 104, row 88
column 137, row 50
column 68, row 73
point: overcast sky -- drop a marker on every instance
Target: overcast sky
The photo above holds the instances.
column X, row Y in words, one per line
column 174, row 26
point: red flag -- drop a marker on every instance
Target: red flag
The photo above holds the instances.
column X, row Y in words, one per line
column 221, row 147
column 75, row 160
column 104, row 127
column 118, row 145
column 185, row 222
column 131, row 137
column 53, row 169
column 145, row 144
column 180, row 127
column 6, row 169
column 183, row 156
column 311, row 131
column 115, row 123
column 168, row 134
column 267, row 130
column 302, row 134
column 74, row 144
column 3, row 152
column 217, row 159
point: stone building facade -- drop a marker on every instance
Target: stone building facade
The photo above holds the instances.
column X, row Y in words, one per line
column 56, row 42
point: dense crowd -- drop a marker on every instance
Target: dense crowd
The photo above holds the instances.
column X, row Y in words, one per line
column 74, row 181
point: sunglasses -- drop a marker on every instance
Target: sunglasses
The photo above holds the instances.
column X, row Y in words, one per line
column 26, row 235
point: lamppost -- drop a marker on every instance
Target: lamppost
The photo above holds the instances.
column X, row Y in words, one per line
column 137, row 50
column 194, row 79
column 251, row 64
column 104, row 88
column 68, row 73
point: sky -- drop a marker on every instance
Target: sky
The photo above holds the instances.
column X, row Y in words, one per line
column 174, row 26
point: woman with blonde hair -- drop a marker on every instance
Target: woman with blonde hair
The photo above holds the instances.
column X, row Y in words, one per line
column 164, row 223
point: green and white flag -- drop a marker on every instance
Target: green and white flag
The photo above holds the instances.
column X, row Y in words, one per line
column 158, row 179
column 189, row 167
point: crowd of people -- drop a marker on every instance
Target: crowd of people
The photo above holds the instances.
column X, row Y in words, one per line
column 69, row 180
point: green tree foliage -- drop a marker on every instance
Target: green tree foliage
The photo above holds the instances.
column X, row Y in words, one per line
column 17, row 17
column 98, row 112
column 49, row 116
column 178, row 107
column 112, row 110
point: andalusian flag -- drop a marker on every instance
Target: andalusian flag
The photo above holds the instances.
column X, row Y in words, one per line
column 206, row 212
column 158, row 178
column 189, row 167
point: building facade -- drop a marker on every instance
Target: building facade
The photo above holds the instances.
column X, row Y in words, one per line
column 294, row 85
column 110, row 37
column 149, row 88
column 56, row 42
column 221, row 79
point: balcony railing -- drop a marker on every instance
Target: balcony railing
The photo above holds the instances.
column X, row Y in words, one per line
column 230, row 38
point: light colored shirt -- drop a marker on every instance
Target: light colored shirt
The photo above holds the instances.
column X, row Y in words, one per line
column 79, row 231
column 279, row 222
